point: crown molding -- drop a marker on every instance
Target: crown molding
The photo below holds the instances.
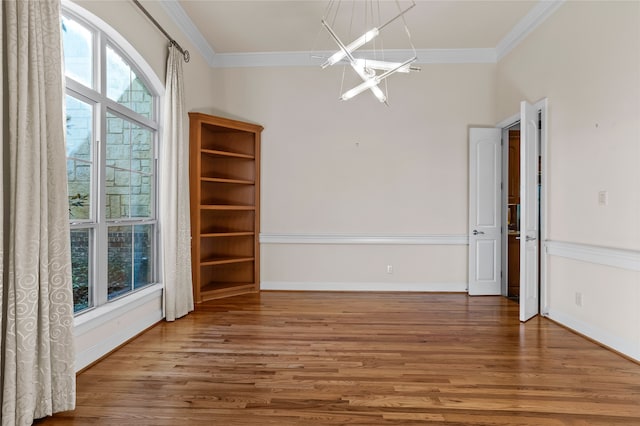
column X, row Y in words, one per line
column 305, row 59
column 456, row 56
column 182, row 20
column 537, row 15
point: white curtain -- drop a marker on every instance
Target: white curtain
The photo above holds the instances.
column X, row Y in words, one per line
column 38, row 374
column 175, row 228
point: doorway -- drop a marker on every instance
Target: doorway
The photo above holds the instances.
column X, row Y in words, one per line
column 522, row 173
column 490, row 215
column 511, row 207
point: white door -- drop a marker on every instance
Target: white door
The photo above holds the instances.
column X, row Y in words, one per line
column 484, row 211
column 529, row 210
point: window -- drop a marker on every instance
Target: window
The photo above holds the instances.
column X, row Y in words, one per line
column 112, row 134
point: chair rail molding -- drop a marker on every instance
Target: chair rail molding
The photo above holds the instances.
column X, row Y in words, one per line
column 358, row 239
column 619, row 258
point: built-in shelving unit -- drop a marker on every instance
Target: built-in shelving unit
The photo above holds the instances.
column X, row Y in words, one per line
column 225, row 206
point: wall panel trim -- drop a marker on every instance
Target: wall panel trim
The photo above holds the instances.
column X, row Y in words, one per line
column 619, row 258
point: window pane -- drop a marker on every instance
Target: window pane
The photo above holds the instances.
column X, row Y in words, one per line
column 80, row 268
column 120, row 251
column 79, row 157
column 79, row 128
column 118, row 193
column 130, row 258
column 129, row 169
column 124, row 86
column 78, row 51
column 143, row 255
column 141, row 195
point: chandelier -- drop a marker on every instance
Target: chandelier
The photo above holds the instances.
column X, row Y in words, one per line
column 369, row 65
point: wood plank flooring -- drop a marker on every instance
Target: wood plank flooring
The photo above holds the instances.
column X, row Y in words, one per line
column 279, row 358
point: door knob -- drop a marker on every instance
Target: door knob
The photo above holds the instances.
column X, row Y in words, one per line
column 530, row 238
column 476, row 232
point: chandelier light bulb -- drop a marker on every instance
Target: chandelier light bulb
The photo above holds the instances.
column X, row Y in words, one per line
column 351, row 47
column 382, row 65
column 368, row 84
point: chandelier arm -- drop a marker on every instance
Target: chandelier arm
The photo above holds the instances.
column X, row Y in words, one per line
column 368, row 83
column 328, row 9
column 347, row 50
column 344, row 72
column 406, row 29
column 381, row 38
column 382, row 65
column 392, row 71
column 338, row 41
column 399, row 15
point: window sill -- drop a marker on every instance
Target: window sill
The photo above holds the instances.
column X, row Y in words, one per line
column 101, row 315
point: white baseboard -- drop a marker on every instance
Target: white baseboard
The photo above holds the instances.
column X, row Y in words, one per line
column 106, row 345
column 363, row 286
column 625, row 347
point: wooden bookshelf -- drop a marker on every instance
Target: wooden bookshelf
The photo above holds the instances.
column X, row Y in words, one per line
column 224, row 173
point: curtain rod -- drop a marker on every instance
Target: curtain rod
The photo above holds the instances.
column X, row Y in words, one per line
column 185, row 53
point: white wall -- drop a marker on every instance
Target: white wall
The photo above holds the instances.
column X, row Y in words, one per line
column 360, row 168
column 357, row 168
column 586, row 59
column 105, row 328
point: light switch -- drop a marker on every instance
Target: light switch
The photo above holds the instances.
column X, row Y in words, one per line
column 603, row 198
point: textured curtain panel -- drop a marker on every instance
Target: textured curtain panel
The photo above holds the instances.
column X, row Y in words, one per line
column 38, row 376
column 175, row 228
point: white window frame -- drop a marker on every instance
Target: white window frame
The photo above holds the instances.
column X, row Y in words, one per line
column 105, row 35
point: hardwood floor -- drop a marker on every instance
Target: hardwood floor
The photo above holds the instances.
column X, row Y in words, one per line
column 280, row 358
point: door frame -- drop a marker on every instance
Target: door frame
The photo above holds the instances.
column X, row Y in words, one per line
column 542, row 107
column 504, row 284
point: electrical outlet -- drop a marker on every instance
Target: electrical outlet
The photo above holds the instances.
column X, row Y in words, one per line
column 389, row 269
column 578, row 299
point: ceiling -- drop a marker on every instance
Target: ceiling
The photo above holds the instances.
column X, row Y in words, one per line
column 260, row 26
column 259, row 33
